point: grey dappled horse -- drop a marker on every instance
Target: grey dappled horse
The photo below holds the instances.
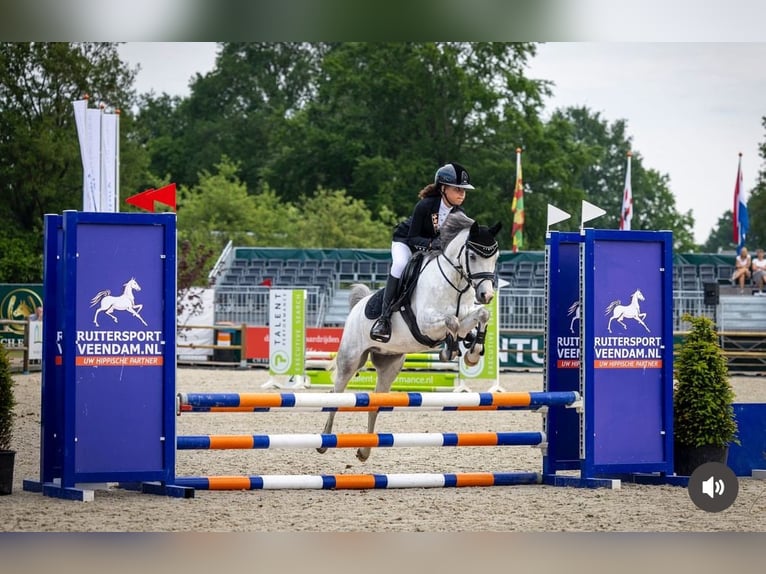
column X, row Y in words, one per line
column 447, row 302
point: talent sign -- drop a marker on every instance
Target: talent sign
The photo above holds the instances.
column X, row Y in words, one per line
column 287, row 324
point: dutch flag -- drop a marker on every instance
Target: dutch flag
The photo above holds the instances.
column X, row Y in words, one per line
column 739, row 213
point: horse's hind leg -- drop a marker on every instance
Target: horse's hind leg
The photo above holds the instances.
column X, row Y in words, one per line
column 344, row 369
column 387, row 367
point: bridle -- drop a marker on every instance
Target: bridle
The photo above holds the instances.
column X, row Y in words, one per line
column 464, row 271
column 471, row 280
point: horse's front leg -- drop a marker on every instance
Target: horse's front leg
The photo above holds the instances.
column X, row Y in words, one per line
column 478, row 318
column 436, row 323
column 139, row 317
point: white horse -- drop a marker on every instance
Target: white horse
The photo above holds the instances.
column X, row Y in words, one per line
column 574, row 308
column 447, row 303
column 632, row 311
column 124, row 302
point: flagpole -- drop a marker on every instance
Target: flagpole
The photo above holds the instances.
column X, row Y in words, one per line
column 517, row 207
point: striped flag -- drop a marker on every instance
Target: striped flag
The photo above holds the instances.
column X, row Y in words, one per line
column 740, row 219
column 626, row 214
column 517, row 207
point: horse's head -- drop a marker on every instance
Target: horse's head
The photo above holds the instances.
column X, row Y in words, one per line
column 133, row 284
column 638, row 295
column 475, row 250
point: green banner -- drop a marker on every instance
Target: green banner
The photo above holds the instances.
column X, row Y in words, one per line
column 521, row 350
column 17, row 302
column 287, row 325
column 488, row 366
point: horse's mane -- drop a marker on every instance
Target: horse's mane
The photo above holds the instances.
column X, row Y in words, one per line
column 456, row 222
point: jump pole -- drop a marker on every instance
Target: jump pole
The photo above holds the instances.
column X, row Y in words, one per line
column 358, row 481
column 361, row 440
column 530, row 399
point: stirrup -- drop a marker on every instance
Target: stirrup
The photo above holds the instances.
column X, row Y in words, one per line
column 381, row 337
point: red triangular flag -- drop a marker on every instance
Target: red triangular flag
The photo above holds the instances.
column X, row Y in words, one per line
column 145, row 200
column 166, row 195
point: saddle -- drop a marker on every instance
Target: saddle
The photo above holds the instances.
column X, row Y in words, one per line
column 402, row 299
column 407, row 283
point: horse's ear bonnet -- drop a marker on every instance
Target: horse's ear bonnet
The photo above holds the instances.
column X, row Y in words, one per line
column 482, row 239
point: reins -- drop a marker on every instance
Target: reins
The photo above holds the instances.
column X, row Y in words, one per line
column 465, row 274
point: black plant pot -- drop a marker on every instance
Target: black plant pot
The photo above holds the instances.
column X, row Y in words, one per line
column 687, row 458
column 7, row 458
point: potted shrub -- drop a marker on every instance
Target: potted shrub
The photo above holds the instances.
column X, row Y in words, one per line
column 7, row 403
column 703, row 415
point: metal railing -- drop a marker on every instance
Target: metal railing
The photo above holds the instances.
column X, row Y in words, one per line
column 250, row 304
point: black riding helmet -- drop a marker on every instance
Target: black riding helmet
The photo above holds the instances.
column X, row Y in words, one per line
column 453, row 174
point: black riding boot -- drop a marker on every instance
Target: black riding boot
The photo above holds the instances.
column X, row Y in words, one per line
column 381, row 329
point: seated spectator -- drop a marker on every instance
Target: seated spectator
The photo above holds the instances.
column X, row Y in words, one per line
column 758, row 268
column 741, row 269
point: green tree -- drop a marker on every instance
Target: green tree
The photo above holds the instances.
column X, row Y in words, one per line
column 602, row 147
column 720, row 238
column 385, row 116
column 236, row 110
column 332, row 220
column 40, row 166
column 756, row 204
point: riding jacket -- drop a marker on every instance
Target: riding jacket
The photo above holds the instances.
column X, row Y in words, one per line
column 422, row 227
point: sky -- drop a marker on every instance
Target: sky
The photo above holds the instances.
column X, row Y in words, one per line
column 690, row 108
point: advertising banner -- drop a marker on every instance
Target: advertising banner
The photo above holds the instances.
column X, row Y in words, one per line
column 628, row 359
column 488, row 366
column 287, row 325
column 18, row 301
column 118, row 343
column 562, row 371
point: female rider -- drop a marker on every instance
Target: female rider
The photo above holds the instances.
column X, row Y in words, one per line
column 420, row 231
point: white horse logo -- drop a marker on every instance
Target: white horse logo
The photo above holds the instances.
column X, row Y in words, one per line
column 632, row 311
column 574, row 309
column 124, row 302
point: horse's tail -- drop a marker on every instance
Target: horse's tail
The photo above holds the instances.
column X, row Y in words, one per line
column 611, row 306
column 100, row 295
column 358, row 292
column 573, row 307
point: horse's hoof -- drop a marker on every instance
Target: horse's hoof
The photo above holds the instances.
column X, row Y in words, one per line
column 362, row 455
column 446, row 356
column 469, row 360
column 322, row 450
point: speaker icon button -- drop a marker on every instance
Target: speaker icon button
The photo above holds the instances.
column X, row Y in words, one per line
column 713, row 487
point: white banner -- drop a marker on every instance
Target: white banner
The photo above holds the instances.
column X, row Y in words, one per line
column 35, row 340
column 93, row 149
column 89, row 180
column 110, row 133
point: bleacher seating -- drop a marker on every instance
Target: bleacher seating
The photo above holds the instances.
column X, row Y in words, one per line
column 328, row 276
column 523, row 276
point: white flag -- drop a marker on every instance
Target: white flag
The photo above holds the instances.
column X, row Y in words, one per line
column 556, row 215
column 627, row 201
column 590, row 211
